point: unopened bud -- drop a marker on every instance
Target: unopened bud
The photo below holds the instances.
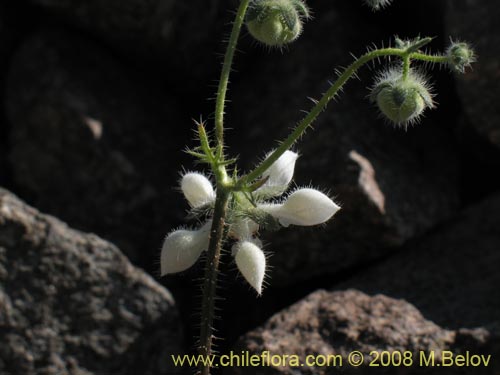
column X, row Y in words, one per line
column 305, row 207
column 197, row 189
column 402, row 100
column 460, row 56
column 182, row 248
column 251, row 262
column 276, row 22
column 279, row 175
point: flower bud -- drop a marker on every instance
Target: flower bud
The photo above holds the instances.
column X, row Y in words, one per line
column 197, row 189
column 182, row 248
column 251, row 262
column 377, row 4
column 276, row 22
column 460, row 56
column 305, row 207
column 279, row 175
column 402, row 100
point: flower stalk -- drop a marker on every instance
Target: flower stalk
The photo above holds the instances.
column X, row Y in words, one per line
column 210, row 280
column 331, row 93
column 224, row 78
column 222, row 196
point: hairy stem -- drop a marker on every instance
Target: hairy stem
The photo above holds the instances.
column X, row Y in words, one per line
column 434, row 59
column 320, row 106
column 406, row 66
column 224, row 78
column 210, row 280
column 217, row 232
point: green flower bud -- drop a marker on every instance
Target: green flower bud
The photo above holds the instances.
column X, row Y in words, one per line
column 402, row 100
column 276, row 22
column 460, row 56
column 377, row 4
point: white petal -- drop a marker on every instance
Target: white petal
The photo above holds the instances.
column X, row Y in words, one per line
column 251, row 262
column 305, row 207
column 182, row 248
column 280, row 175
column 243, row 229
column 197, row 189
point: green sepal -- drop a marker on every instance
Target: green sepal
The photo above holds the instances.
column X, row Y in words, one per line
column 254, row 10
column 289, row 17
column 266, row 221
column 302, row 8
column 413, row 45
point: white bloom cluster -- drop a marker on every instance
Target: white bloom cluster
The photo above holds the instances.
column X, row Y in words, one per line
column 304, row 207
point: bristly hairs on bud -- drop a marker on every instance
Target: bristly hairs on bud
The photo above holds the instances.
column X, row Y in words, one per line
column 377, row 4
column 460, row 56
column 276, row 22
column 402, row 99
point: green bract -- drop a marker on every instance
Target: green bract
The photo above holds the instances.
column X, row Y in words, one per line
column 402, row 100
column 276, row 22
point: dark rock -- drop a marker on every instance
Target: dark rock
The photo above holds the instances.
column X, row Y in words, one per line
column 179, row 36
column 338, row 323
column 71, row 303
column 393, row 185
column 476, row 21
column 95, row 143
column 451, row 276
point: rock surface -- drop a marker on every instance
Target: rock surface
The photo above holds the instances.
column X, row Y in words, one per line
column 71, row 303
column 338, row 323
column 177, row 36
column 95, row 143
column 392, row 184
column 476, row 21
column 451, row 276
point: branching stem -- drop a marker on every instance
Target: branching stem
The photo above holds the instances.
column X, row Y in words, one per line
column 321, row 105
column 226, row 186
column 217, row 231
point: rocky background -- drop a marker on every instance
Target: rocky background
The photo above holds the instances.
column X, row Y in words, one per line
column 98, row 99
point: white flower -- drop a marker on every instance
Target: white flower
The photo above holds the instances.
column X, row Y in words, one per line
column 197, row 189
column 182, row 248
column 251, row 262
column 305, row 207
column 279, row 174
column 243, row 229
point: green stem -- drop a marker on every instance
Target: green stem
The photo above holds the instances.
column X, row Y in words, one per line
column 320, row 106
column 210, row 280
column 435, row 59
column 306, row 122
column 217, row 232
column 406, row 66
column 224, row 78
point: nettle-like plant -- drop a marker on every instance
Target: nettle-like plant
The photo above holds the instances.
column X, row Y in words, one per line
column 242, row 205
